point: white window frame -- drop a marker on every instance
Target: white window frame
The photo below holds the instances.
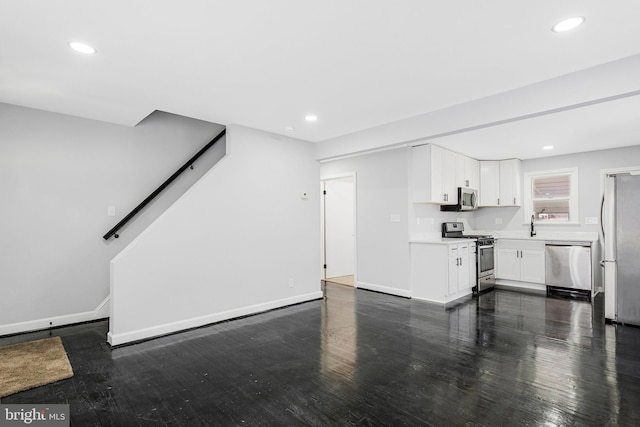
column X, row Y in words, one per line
column 574, row 216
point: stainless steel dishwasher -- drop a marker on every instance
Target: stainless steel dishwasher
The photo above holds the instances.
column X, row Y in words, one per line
column 568, row 265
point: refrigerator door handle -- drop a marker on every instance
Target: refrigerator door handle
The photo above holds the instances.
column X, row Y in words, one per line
column 602, row 216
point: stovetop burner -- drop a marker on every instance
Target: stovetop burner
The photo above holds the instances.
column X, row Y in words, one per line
column 455, row 230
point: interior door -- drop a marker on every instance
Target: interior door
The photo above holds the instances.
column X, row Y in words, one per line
column 627, row 206
column 339, row 230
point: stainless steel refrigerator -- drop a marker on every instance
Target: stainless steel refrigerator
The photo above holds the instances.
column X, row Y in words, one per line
column 621, row 241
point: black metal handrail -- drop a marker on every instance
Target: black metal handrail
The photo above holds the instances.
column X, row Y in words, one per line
column 145, row 202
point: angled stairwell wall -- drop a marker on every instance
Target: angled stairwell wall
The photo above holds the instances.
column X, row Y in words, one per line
column 240, row 241
column 58, row 175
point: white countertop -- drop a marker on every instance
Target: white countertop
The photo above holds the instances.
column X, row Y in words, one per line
column 434, row 238
column 571, row 236
column 437, row 241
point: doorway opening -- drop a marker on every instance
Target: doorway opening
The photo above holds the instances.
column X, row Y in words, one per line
column 338, row 228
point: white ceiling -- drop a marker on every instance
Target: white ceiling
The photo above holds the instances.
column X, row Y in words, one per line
column 357, row 64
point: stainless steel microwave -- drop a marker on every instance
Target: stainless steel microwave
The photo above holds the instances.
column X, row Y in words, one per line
column 467, row 201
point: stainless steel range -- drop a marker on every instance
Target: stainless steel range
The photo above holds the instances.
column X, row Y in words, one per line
column 486, row 278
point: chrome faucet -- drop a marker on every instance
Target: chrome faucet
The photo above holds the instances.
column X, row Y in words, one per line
column 533, row 230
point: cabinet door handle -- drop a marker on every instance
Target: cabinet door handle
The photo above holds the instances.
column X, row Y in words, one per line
column 514, row 200
column 461, row 261
column 466, row 182
column 498, row 200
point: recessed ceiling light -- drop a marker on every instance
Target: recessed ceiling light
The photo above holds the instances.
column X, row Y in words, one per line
column 82, row 47
column 568, row 24
column 289, row 128
column 311, row 118
column 548, row 147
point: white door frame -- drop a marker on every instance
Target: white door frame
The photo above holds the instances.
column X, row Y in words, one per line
column 355, row 224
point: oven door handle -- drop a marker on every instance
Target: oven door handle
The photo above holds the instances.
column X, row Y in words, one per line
column 485, row 247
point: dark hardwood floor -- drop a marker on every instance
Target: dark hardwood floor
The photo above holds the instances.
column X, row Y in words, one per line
column 362, row 358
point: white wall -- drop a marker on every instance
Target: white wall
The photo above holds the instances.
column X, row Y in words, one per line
column 240, row 241
column 589, row 165
column 58, row 174
column 382, row 246
column 425, row 220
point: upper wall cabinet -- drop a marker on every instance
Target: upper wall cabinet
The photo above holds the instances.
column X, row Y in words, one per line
column 471, row 173
column 500, row 183
column 432, row 179
column 437, row 173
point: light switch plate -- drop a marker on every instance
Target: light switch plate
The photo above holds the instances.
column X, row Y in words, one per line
column 591, row 220
column 498, row 221
column 395, row 218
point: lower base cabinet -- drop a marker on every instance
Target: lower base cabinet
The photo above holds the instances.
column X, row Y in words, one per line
column 442, row 272
column 520, row 260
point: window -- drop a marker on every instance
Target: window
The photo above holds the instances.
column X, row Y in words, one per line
column 551, row 196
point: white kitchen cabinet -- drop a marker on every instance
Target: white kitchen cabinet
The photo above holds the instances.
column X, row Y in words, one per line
column 433, row 175
column 442, row 272
column 437, row 173
column 532, row 266
column 500, row 182
column 473, row 267
column 467, row 172
column 460, row 170
column 471, row 173
column 507, row 263
column 520, row 260
column 510, row 179
column 449, row 185
column 459, row 268
column 489, row 182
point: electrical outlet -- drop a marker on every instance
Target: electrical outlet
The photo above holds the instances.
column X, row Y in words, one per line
column 498, row 221
column 304, row 195
column 591, row 220
column 291, row 283
column 111, row 211
column 394, row 218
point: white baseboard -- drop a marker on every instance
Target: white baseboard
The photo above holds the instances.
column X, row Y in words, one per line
column 155, row 331
column 384, row 289
column 101, row 312
column 506, row 284
column 449, row 299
